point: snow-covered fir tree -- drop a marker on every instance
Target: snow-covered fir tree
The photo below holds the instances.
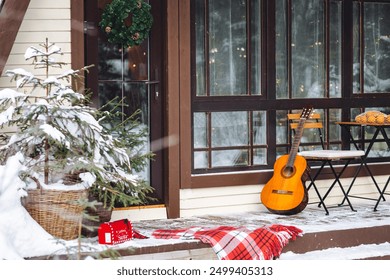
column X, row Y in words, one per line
column 61, row 136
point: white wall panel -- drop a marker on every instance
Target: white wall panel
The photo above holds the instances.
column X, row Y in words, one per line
column 44, row 19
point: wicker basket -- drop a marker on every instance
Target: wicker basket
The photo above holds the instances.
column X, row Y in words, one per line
column 56, row 211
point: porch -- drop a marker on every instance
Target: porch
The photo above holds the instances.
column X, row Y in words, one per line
column 343, row 234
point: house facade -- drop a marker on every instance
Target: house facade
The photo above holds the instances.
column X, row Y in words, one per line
column 215, row 80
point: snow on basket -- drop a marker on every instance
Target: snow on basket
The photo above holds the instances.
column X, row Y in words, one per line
column 57, row 211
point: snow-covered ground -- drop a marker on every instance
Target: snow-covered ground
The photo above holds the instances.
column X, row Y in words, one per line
column 363, row 251
column 21, row 237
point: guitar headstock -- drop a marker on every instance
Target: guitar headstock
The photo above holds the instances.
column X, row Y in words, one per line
column 306, row 112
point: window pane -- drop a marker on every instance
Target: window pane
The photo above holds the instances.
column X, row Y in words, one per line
column 335, row 49
column 110, row 62
column 259, row 127
column 375, row 54
column 334, row 129
column 110, row 90
column 135, row 62
column 356, row 47
column 311, row 135
column 200, row 48
column 380, row 148
column 229, row 129
column 230, row 158
column 260, row 156
column 377, row 47
column 200, row 130
column 229, row 144
column 200, row 160
column 137, row 97
column 308, row 43
column 281, row 127
column 227, row 47
column 281, row 51
column 256, row 47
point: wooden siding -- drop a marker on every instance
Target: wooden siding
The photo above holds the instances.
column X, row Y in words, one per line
column 43, row 19
column 225, row 200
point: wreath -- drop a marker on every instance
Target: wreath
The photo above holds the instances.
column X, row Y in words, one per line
column 127, row 22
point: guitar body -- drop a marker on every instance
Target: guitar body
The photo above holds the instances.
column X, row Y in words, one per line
column 285, row 192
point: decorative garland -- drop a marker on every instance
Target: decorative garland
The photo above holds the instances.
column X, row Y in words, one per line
column 127, row 22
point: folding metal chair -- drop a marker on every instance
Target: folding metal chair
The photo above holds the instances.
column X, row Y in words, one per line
column 323, row 157
column 382, row 193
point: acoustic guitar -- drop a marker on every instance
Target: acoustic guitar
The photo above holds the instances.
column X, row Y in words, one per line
column 285, row 193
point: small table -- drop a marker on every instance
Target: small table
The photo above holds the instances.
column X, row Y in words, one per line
column 379, row 128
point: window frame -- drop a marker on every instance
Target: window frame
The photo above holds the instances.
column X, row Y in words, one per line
column 268, row 101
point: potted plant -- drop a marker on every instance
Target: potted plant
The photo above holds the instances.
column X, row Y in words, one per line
column 60, row 136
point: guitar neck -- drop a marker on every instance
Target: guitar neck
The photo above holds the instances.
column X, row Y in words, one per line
column 296, row 142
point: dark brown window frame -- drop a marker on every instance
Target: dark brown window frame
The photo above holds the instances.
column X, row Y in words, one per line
column 271, row 104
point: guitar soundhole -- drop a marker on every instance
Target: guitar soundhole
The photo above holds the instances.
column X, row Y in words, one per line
column 283, row 192
column 288, row 171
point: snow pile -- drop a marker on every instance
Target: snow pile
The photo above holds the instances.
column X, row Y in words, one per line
column 20, row 235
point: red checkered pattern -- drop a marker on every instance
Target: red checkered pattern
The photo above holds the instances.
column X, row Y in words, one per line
column 238, row 243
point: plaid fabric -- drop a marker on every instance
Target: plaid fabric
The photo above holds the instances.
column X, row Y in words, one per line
column 138, row 235
column 238, row 243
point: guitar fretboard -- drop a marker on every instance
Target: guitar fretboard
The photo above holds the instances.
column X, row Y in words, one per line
column 296, row 142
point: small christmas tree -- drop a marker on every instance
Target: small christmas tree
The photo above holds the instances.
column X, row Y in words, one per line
column 60, row 136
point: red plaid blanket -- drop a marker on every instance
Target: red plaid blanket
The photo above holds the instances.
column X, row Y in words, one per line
column 238, row 243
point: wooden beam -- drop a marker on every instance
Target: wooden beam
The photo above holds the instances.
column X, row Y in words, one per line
column 173, row 105
column 77, row 41
column 11, row 16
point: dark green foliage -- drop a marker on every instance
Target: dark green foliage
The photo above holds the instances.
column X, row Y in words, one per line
column 65, row 141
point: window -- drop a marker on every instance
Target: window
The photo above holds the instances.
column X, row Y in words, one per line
column 256, row 60
column 228, row 63
column 225, row 139
column 371, row 47
column 229, row 47
column 371, row 61
column 308, row 56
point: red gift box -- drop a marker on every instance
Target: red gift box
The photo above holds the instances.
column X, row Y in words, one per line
column 115, row 232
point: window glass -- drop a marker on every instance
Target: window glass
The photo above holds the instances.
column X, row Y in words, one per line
column 230, row 39
column 255, row 50
column 307, row 49
column 229, row 158
column 201, row 160
column 334, row 130
column 227, row 47
column 200, row 130
column 200, row 48
column 237, row 138
column 303, row 66
column 335, row 39
column 229, row 129
column 311, row 139
column 281, row 49
column 259, row 127
column 376, row 40
column 377, row 47
column 260, row 156
column 281, row 127
column 356, row 47
column 379, row 148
